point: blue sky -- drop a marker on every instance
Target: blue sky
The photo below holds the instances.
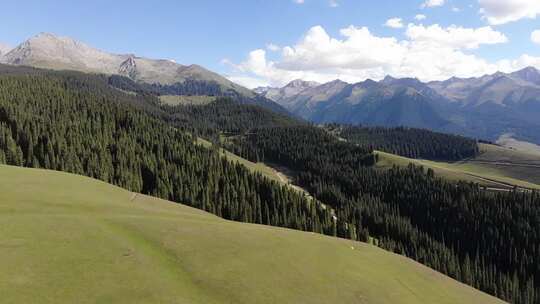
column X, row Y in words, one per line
column 225, row 35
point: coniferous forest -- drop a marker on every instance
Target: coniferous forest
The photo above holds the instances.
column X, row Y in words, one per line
column 77, row 123
column 410, row 142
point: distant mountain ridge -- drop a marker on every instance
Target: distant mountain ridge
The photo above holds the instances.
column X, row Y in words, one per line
column 291, row 89
column 483, row 107
column 50, row 51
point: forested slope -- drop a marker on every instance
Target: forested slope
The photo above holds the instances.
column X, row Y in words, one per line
column 410, row 142
column 488, row 240
column 75, row 123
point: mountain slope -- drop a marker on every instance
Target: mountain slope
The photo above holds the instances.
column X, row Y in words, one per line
column 368, row 102
column 499, row 88
column 49, row 51
column 80, row 240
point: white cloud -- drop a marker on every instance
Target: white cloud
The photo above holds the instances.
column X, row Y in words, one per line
column 394, row 23
column 504, row 11
column 428, row 53
column 454, row 36
column 298, row 1
column 535, row 36
column 433, row 3
column 420, row 17
column 272, row 47
column 456, row 9
column 357, row 51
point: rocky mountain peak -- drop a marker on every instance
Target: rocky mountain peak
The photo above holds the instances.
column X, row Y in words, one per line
column 388, row 79
column 128, row 67
column 299, row 83
column 529, row 74
column 336, row 82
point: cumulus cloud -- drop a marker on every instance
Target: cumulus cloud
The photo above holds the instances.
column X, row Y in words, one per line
column 428, row 53
column 535, row 36
column 420, row 17
column 503, row 11
column 394, row 23
column 433, row 3
column 454, row 36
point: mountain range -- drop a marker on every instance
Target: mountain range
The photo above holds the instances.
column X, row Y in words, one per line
column 50, row 51
column 484, row 107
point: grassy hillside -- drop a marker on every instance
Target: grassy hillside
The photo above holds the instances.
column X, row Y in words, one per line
column 495, row 167
column 78, row 240
column 174, row 100
column 261, row 168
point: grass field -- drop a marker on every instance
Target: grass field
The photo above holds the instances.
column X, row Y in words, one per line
column 495, row 167
column 262, row 168
column 71, row 239
column 175, row 100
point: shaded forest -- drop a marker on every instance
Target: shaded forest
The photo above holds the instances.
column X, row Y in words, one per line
column 410, row 142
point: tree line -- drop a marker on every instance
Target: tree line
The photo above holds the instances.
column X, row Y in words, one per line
column 410, row 142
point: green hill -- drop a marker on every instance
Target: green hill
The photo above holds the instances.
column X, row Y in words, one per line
column 495, row 167
column 71, row 239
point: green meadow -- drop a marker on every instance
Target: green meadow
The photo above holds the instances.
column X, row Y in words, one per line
column 71, row 239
